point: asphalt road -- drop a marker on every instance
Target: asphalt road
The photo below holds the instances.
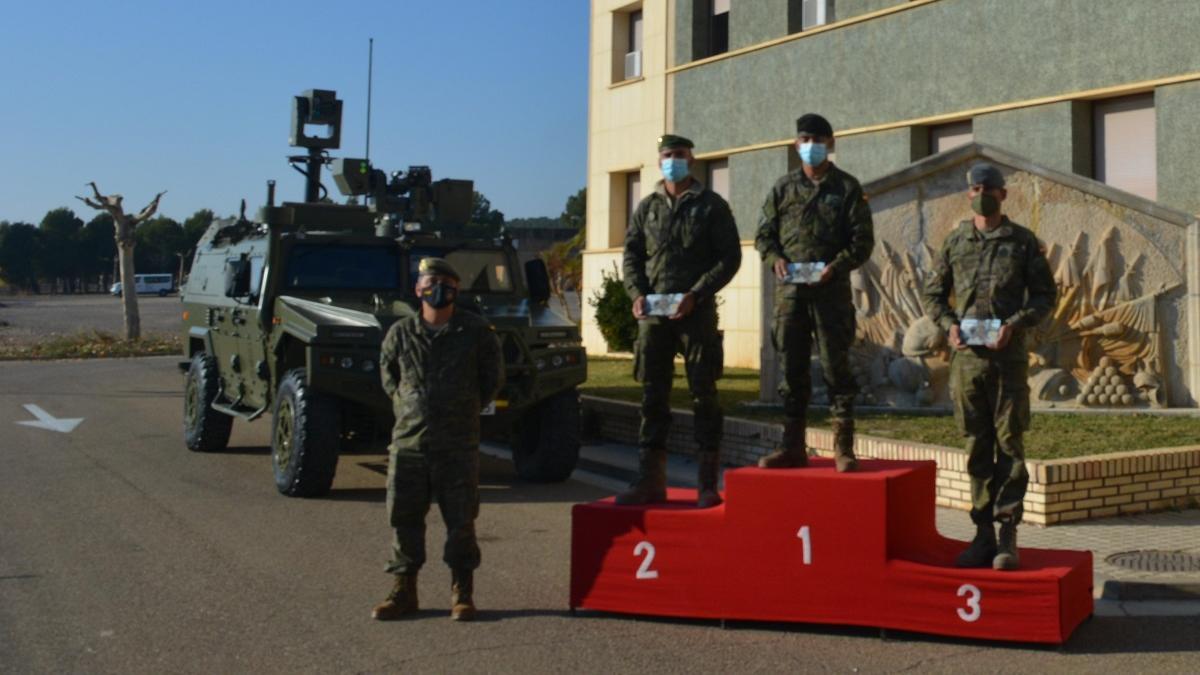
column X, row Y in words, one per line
column 120, row 551
column 27, row 318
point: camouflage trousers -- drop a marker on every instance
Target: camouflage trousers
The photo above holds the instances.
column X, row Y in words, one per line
column 414, row 482
column 829, row 318
column 990, row 391
column 659, row 340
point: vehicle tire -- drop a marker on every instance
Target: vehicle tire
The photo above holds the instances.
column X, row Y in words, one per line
column 305, row 438
column 204, row 429
column 545, row 441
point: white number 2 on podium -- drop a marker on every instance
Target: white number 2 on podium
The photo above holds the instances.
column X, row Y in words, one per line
column 806, row 539
column 644, row 571
column 974, row 595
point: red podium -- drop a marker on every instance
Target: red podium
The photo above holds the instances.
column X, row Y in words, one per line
column 812, row 545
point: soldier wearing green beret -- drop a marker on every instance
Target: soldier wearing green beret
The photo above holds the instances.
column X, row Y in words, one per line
column 990, row 284
column 816, row 214
column 682, row 239
column 440, row 367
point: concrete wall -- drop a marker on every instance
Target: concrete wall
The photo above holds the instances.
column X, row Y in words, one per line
column 1178, row 119
column 869, row 156
column 931, row 60
column 1057, row 136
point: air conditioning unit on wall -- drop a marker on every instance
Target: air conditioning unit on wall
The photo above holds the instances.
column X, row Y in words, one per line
column 633, row 65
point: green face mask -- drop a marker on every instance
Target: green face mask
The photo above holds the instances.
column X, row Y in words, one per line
column 985, row 204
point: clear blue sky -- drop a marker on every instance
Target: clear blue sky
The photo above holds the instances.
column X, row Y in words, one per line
column 194, row 97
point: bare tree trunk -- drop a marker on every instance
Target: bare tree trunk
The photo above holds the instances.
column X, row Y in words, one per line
column 133, row 322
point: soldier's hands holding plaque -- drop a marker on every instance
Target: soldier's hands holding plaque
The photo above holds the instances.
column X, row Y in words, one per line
column 981, row 332
column 807, row 273
column 663, row 304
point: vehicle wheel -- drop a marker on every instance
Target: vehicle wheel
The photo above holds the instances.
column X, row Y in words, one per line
column 545, row 441
column 305, row 438
column 204, row 429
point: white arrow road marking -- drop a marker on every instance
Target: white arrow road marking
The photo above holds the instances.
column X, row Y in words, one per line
column 49, row 422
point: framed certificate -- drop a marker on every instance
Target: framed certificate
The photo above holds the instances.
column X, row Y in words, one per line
column 804, row 272
column 979, row 332
column 663, row 304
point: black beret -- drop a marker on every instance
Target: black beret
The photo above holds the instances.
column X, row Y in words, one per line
column 672, row 141
column 813, row 124
column 438, row 266
column 986, row 175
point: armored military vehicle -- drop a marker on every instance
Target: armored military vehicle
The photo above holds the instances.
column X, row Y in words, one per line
column 285, row 314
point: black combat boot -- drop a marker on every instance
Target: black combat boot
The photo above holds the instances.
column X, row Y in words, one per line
column 843, row 446
column 792, row 452
column 982, row 548
column 401, row 601
column 709, row 465
column 1006, row 554
column 462, row 588
column 651, row 485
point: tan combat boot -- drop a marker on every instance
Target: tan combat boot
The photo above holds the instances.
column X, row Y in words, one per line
column 651, row 485
column 843, row 446
column 709, row 465
column 791, row 453
column 401, row 601
column 462, row 588
column 1007, row 557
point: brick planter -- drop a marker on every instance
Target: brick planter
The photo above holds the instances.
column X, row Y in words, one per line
column 1060, row 490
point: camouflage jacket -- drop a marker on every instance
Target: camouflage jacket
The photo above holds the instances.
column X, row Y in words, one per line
column 439, row 384
column 692, row 246
column 828, row 222
column 1001, row 274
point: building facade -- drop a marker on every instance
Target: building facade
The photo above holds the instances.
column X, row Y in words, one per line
column 1104, row 89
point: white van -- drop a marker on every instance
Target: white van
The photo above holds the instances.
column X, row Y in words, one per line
column 162, row 284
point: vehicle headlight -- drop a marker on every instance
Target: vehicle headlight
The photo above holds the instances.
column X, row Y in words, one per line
column 556, row 360
column 347, row 362
column 368, row 366
column 540, row 363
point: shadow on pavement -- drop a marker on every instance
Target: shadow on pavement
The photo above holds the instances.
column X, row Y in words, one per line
column 498, row 484
column 243, row 450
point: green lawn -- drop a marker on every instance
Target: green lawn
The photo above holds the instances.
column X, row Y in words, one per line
column 91, row 345
column 1053, row 435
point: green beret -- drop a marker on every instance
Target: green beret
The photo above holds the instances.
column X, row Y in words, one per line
column 439, row 266
column 986, row 175
column 814, row 125
column 672, row 141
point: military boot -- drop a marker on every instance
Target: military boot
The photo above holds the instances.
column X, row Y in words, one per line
column 401, row 601
column 1006, row 554
column 791, row 453
column 709, row 465
column 843, row 446
column 651, row 485
column 462, row 588
column 982, row 548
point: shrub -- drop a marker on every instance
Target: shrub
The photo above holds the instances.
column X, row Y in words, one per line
column 614, row 313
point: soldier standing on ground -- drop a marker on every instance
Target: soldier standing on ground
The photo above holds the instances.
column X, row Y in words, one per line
column 682, row 239
column 817, row 214
column 440, row 368
column 996, row 270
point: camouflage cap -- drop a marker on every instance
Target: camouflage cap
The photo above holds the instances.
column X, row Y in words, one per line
column 982, row 173
column 813, row 124
column 673, row 141
column 430, row 266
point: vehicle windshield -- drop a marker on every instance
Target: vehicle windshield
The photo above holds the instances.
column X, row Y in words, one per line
column 481, row 271
column 342, row 266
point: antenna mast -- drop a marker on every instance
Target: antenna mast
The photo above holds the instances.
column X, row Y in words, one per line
column 370, row 63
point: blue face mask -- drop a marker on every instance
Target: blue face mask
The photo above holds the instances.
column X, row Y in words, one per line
column 813, row 154
column 674, row 169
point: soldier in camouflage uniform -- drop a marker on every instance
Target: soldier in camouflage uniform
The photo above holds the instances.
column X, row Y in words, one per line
column 440, row 368
column 682, row 239
column 991, row 268
column 817, row 213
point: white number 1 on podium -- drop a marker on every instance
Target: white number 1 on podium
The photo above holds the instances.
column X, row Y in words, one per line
column 644, row 571
column 806, row 538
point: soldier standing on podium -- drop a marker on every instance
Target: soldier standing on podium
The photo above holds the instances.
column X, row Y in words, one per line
column 817, row 214
column 681, row 239
column 997, row 272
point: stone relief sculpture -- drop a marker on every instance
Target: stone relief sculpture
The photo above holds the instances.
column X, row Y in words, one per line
column 1100, row 347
